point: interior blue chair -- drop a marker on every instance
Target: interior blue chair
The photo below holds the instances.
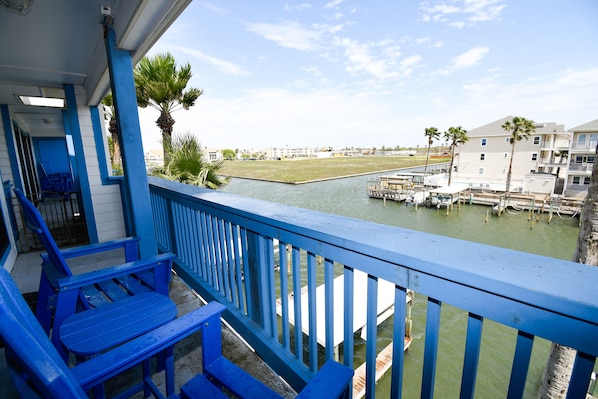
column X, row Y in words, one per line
column 110, row 293
column 38, row 371
column 54, row 182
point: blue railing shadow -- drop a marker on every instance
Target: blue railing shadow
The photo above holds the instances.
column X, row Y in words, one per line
column 256, row 257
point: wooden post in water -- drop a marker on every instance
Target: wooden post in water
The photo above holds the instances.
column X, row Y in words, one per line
column 487, row 214
column 531, row 210
column 550, row 213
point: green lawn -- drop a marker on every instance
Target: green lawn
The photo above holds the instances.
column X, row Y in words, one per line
column 303, row 170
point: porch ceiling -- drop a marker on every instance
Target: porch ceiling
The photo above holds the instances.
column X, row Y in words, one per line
column 61, row 42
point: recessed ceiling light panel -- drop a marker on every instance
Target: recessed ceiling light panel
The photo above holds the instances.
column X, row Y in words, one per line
column 42, row 101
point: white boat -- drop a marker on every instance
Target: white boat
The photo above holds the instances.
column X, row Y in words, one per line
column 443, row 197
column 417, row 198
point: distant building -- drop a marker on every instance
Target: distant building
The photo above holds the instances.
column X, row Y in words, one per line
column 213, row 155
column 483, row 161
column 581, row 158
column 154, row 157
column 290, row 152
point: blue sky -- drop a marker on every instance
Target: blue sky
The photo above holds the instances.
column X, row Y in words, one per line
column 355, row 73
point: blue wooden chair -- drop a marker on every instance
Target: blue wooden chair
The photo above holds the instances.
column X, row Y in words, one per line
column 54, row 182
column 38, row 370
column 141, row 284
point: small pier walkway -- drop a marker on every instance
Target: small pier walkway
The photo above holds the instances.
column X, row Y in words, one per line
column 383, row 364
column 385, row 310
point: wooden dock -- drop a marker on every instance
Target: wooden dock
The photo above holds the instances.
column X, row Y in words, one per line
column 383, row 364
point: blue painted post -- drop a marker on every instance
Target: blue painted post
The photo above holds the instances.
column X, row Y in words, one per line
column 72, row 127
column 125, row 100
column 257, row 280
column 10, row 144
column 472, row 355
column 521, row 360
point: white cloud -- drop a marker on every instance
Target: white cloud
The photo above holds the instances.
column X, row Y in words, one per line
column 466, row 60
column 223, row 66
column 267, row 117
column 460, row 13
column 333, row 3
column 297, row 7
column 312, row 70
column 470, row 57
column 288, row 34
column 214, row 8
column 579, row 78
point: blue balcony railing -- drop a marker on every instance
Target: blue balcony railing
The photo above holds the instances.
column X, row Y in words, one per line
column 256, row 257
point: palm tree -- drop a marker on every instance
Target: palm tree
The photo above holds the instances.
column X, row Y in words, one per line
column 560, row 363
column 519, row 129
column 432, row 134
column 110, row 111
column 186, row 164
column 455, row 136
column 163, row 86
column 562, row 154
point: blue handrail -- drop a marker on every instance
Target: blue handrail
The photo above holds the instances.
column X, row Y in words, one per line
column 228, row 248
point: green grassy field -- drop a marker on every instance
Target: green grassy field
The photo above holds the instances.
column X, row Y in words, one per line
column 304, row 170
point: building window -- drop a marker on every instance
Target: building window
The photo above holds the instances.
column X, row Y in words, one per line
column 534, row 156
column 581, row 140
column 590, row 159
column 508, row 140
column 484, row 142
column 575, row 179
column 482, row 157
column 506, row 154
column 481, row 171
column 586, row 180
column 536, row 140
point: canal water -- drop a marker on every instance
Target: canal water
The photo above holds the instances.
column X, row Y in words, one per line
column 514, row 230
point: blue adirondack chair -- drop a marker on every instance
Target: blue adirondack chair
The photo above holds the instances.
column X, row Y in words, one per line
column 110, row 292
column 38, row 371
column 54, row 182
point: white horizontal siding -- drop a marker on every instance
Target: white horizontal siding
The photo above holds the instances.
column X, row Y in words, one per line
column 107, row 205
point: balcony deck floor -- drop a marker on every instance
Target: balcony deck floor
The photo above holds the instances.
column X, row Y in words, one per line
column 187, row 353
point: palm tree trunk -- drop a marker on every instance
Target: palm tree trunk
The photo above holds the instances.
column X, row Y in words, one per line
column 165, row 123
column 508, row 186
column 558, row 372
column 427, row 157
column 113, row 129
column 560, row 364
column 451, row 165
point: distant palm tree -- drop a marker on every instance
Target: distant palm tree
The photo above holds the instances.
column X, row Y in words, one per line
column 186, row 164
column 163, row 86
column 432, row 134
column 454, row 137
column 519, row 129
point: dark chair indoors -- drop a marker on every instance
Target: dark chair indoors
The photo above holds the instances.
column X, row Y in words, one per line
column 38, row 370
column 122, row 301
column 54, row 182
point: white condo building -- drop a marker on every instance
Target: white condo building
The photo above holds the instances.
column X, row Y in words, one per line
column 483, row 161
column 581, row 158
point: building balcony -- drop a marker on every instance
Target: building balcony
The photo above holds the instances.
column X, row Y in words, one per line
column 289, row 278
column 580, row 147
column 557, row 145
column 581, row 167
